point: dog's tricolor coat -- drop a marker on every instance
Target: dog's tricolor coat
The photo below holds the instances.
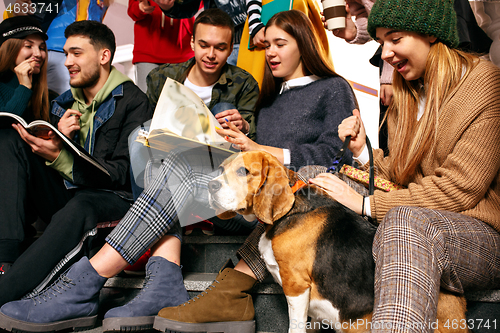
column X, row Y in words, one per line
column 317, row 249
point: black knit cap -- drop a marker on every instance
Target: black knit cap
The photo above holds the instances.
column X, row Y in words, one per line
column 432, row 17
column 20, row 27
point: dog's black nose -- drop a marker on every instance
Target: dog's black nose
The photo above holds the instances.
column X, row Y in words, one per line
column 213, row 186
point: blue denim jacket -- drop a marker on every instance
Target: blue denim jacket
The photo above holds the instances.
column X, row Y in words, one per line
column 103, row 113
column 117, row 116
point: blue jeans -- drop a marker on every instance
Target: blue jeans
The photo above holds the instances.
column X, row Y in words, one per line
column 233, row 57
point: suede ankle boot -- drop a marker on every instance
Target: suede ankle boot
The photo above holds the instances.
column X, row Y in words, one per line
column 225, row 306
column 71, row 301
column 163, row 286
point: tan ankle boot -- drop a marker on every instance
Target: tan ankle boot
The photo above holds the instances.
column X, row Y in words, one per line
column 225, row 306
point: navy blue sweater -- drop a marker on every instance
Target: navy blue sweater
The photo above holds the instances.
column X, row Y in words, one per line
column 305, row 121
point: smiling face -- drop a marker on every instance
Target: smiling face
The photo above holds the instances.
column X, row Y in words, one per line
column 33, row 48
column 406, row 51
column 82, row 61
column 282, row 54
column 212, row 45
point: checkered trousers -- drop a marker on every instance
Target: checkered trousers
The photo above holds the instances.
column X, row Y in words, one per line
column 419, row 250
column 175, row 187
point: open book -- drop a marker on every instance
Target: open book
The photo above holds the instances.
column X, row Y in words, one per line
column 182, row 120
column 41, row 128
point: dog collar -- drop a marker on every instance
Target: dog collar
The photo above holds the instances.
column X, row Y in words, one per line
column 298, row 185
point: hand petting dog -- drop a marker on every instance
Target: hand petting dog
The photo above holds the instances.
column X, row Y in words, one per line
column 339, row 191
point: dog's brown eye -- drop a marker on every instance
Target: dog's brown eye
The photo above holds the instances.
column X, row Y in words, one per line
column 242, row 172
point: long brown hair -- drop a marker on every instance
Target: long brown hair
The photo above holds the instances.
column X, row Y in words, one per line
column 445, row 69
column 297, row 25
column 39, row 103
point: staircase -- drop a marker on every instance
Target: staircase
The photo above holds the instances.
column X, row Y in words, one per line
column 202, row 257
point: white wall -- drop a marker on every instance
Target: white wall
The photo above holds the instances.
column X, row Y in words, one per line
column 352, row 62
column 117, row 20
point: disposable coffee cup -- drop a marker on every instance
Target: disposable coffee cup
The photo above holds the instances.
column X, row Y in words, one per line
column 334, row 12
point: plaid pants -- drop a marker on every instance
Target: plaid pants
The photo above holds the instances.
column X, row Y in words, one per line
column 175, row 187
column 419, row 250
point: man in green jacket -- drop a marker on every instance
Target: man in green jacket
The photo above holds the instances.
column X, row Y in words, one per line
column 217, row 83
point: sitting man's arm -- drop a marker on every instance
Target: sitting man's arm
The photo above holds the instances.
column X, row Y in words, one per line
column 244, row 94
column 246, row 104
column 117, row 159
column 131, row 111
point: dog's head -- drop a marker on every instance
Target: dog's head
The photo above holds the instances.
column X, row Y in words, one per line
column 252, row 183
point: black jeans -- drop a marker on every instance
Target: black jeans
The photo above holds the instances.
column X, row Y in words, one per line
column 29, row 188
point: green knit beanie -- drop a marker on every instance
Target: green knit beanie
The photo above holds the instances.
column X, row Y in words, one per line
column 432, row 17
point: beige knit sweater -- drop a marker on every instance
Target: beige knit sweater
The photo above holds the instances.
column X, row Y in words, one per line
column 463, row 175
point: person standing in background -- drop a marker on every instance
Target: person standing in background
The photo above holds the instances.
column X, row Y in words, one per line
column 157, row 39
column 237, row 9
column 252, row 56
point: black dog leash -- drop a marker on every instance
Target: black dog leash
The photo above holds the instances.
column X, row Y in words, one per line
column 336, row 164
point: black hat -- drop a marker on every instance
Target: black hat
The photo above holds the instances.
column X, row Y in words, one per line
column 20, row 27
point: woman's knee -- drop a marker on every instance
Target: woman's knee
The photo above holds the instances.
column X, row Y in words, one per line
column 408, row 224
column 403, row 218
column 161, row 167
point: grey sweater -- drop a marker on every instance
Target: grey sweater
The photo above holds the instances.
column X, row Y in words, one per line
column 305, row 120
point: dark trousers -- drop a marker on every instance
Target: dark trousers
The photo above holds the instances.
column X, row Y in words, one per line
column 30, row 188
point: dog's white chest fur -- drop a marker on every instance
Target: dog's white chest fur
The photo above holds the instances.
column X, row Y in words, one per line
column 266, row 252
column 299, row 307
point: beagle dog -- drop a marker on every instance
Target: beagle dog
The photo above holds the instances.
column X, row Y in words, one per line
column 319, row 251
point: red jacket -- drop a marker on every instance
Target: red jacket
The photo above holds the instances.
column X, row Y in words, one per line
column 158, row 38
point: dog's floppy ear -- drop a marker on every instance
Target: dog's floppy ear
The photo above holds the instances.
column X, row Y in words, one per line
column 274, row 197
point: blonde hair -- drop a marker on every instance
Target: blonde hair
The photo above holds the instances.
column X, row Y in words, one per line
column 444, row 71
column 39, row 102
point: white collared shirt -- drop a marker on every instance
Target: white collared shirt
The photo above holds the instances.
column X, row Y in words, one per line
column 298, row 82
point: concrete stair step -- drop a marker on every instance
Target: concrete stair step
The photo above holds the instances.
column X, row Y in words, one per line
column 208, row 254
column 194, row 282
column 197, row 282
